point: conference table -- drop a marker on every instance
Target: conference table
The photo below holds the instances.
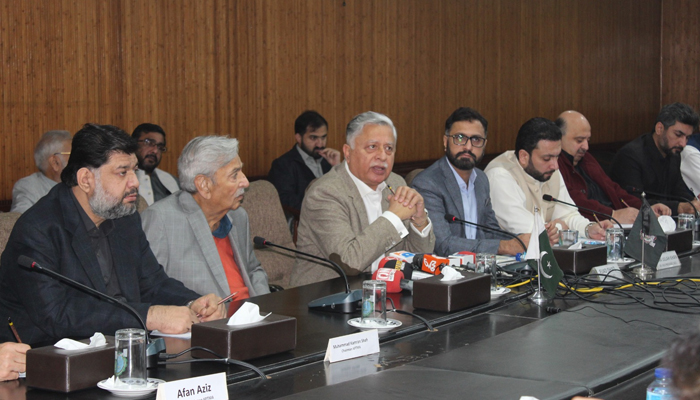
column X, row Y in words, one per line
column 503, row 349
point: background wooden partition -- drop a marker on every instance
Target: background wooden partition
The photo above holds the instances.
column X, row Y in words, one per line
column 247, row 68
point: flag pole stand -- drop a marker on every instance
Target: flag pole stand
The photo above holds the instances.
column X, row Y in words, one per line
column 539, row 297
column 643, row 272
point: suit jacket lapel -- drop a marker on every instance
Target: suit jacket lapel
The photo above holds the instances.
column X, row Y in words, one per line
column 452, row 187
column 354, row 195
column 233, row 238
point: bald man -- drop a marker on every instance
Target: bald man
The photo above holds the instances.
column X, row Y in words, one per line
column 585, row 179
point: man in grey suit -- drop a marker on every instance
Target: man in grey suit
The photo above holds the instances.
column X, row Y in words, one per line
column 453, row 185
column 360, row 210
column 51, row 156
column 200, row 235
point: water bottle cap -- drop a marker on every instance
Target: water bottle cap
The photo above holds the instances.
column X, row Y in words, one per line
column 662, row 373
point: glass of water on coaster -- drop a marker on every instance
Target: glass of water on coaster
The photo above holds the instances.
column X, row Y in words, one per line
column 373, row 303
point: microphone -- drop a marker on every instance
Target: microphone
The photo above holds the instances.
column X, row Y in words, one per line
column 392, row 277
column 452, row 218
column 344, row 303
column 547, row 197
column 666, row 196
column 155, row 346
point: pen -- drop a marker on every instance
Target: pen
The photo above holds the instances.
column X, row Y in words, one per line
column 14, row 331
column 227, row 299
column 598, row 221
column 391, row 189
column 625, row 203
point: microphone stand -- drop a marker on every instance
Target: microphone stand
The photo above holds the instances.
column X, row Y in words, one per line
column 668, row 196
column 547, row 197
column 344, row 303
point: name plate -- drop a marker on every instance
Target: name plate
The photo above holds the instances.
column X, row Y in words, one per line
column 351, row 346
column 669, row 259
column 607, row 272
column 208, row 387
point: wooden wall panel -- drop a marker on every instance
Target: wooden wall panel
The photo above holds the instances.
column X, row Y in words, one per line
column 681, row 52
column 247, row 68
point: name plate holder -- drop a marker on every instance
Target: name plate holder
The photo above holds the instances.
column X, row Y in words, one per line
column 669, row 259
column 207, row 387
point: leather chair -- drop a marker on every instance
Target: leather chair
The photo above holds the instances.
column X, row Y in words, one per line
column 412, row 174
column 7, row 222
column 267, row 220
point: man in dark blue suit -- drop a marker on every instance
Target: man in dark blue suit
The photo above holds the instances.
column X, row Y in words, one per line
column 453, row 185
column 86, row 228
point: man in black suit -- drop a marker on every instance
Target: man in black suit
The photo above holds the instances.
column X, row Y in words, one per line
column 86, row 228
column 309, row 159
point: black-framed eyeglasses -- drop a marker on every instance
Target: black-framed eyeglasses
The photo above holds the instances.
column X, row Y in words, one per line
column 461, row 140
column 152, row 143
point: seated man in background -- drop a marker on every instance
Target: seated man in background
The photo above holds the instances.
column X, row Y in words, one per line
column 201, row 235
column 360, row 210
column 453, row 185
column 13, row 360
column 520, row 178
column 154, row 183
column 690, row 164
column 86, row 229
column 309, row 159
column 51, row 156
column 652, row 161
column 585, row 179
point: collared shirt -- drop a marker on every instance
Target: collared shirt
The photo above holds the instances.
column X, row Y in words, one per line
column 100, row 244
column 159, row 190
column 373, row 204
column 314, row 164
column 471, row 214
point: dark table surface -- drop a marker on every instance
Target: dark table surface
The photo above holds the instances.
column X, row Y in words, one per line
column 496, row 349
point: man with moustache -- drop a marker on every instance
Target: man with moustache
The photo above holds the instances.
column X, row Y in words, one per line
column 360, row 210
column 154, row 183
column 453, row 185
column 652, row 161
column 86, row 229
column 309, row 159
column 520, row 178
column 201, row 235
column 585, row 179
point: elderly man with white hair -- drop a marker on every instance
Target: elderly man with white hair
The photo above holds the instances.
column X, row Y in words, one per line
column 51, row 156
column 200, row 235
column 360, row 210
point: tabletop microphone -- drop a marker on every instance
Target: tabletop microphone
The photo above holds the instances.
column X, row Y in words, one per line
column 547, row 197
column 344, row 303
column 154, row 347
column 633, row 189
column 452, row 218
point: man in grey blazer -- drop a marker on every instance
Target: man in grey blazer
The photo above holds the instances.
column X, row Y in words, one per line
column 360, row 210
column 453, row 185
column 200, row 235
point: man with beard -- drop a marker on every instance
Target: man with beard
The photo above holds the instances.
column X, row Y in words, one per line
column 652, row 161
column 360, row 210
column 520, row 178
column 585, row 179
column 86, row 228
column 201, row 235
column 154, row 183
column 309, row 159
column 453, row 185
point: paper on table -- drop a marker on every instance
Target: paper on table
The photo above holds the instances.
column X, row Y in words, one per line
column 450, row 274
column 186, row 335
column 247, row 314
column 96, row 340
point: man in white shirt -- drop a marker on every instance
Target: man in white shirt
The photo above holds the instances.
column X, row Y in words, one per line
column 51, row 156
column 520, row 178
column 360, row 210
column 154, row 183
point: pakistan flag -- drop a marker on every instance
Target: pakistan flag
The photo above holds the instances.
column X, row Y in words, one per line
column 539, row 248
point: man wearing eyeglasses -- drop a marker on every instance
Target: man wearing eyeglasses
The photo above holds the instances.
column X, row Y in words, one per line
column 51, row 156
column 154, row 183
column 453, row 185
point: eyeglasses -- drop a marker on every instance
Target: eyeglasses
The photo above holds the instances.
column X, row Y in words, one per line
column 461, row 140
column 152, row 143
column 63, row 153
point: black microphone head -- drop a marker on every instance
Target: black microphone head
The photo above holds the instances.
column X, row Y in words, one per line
column 547, row 197
column 25, row 262
column 259, row 241
column 450, row 217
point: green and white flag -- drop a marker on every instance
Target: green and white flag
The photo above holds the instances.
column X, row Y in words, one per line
column 539, row 248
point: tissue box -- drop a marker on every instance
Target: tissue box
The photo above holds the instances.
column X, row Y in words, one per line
column 51, row 368
column 580, row 261
column 433, row 294
column 274, row 334
column 680, row 240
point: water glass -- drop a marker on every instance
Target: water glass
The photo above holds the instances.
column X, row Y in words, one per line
column 130, row 358
column 686, row 221
column 615, row 241
column 568, row 237
column 374, row 303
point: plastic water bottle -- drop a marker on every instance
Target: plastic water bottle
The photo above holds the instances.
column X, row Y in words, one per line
column 661, row 388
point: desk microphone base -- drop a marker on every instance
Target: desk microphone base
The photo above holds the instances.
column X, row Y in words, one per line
column 342, row 303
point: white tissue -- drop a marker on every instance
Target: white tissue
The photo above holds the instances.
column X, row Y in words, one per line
column 248, row 313
column 97, row 340
column 528, row 398
column 450, row 274
column 667, row 223
column 576, row 246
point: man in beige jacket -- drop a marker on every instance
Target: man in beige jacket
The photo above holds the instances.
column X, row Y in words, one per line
column 360, row 210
